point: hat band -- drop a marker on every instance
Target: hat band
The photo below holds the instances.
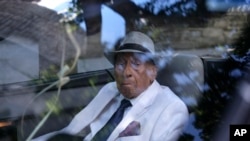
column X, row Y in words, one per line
column 132, row 46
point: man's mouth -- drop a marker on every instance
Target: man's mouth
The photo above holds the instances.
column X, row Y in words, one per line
column 126, row 83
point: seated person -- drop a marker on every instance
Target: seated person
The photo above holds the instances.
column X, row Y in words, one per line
column 135, row 106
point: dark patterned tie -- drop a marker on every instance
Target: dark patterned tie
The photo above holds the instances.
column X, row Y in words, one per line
column 104, row 133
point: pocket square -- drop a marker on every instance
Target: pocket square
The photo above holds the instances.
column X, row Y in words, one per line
column 133, row 129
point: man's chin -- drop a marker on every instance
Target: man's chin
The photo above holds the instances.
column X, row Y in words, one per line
column 127, row 93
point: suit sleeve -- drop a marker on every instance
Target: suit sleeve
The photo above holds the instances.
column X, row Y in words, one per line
column 171, row 122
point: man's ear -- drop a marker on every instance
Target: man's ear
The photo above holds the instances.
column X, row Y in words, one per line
column 152, row 72
column 155, row 70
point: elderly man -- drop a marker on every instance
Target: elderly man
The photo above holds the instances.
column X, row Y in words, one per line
column 136, row 106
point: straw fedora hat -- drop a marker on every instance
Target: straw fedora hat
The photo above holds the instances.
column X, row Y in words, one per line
column 136, row 42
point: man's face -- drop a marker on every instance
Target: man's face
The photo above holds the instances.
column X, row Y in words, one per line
column 133, row 73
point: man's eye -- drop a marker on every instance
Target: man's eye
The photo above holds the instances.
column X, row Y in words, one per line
column 120, row 63
column 135, row 64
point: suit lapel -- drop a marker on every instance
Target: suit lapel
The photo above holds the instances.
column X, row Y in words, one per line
column 137, row 110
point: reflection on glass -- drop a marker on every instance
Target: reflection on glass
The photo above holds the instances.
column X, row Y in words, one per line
column 19, row 60
column 204, row 29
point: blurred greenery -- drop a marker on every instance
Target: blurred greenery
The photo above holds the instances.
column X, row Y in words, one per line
column 186, row 137
column 50, row 73
column 53, row 104
column 242, row 45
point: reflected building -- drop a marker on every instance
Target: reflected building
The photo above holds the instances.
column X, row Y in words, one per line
column 32, row 40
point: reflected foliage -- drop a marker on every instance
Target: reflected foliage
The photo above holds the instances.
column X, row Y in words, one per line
column 155, row 11
column 167, row 7
column 52, row 104
column 241, row 53
column 220, row 86
column 215, row 97
column 49, row 74
column 186, row 137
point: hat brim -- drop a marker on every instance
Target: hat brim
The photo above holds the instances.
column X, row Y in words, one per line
column 111, row 55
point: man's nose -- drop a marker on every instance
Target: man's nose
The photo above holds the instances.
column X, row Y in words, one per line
column 127, row 70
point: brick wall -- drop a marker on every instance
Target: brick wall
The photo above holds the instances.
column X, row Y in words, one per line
column 217, row 31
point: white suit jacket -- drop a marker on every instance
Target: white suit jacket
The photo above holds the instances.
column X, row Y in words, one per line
column 161, row 114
